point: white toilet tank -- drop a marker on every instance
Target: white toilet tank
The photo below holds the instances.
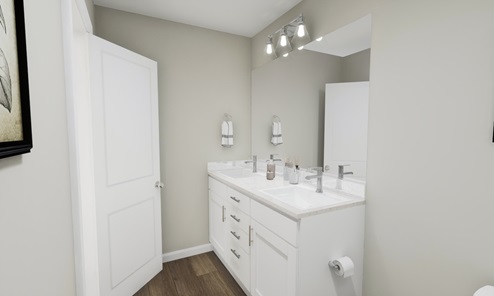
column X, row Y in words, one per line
column 485, row 291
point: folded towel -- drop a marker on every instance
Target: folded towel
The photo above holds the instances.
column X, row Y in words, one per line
column 226, row 134
column 230, row 133
column 280, row 138
column 276, row 139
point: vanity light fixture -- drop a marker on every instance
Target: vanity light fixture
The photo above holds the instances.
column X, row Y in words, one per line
column 292, row 35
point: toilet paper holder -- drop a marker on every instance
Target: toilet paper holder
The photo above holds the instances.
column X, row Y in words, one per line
column 343, row 266
column 334, row 266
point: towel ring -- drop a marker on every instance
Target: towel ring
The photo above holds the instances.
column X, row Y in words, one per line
column 276, row 118
column 227, row 116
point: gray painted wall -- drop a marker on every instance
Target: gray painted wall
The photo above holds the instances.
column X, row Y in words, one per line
column 201, row 75
column 430, row 157
column 36, row 244
column 356, row 67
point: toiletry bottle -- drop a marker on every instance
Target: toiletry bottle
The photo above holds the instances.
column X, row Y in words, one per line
column 287, row 169
column 271, row 170
column 294, row 175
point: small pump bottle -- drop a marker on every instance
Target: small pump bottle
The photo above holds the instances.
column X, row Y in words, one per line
column 271, row 170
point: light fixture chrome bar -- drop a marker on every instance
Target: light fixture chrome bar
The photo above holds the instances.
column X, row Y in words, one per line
column 293, row 34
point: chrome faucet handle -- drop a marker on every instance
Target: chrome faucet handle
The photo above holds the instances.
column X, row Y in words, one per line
column 341, row 167
column 271, row 157
column 254, row 163
column 341, row 171
column 317, row 176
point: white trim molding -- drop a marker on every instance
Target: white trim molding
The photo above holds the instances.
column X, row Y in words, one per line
column 172, row 256
column 81, row 5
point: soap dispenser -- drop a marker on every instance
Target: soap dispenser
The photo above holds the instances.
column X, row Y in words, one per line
column 270, row 170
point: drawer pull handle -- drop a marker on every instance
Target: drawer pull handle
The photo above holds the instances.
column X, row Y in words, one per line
column 235, row 235
column 235, row 218
column 235, row 199
column 235, row 253
column 222, row 213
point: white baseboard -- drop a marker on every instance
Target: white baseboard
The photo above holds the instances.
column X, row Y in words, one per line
column 171, row 256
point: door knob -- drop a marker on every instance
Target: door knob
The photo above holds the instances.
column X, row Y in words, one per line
column 159, row 184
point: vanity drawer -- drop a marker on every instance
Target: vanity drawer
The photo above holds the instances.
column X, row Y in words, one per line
column 238, row 200
column 237, row 218
column 238, row 237
column 281, row 225
column 239, row 262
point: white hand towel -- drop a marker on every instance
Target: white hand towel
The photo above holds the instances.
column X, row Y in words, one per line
column 276, row 139
column 280, row 137
column 230, row 133
column 224, row 134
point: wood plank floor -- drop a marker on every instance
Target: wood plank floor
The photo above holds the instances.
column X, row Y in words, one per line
column 200, row 275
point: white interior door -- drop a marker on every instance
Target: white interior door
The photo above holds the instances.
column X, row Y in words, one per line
column 124, row 108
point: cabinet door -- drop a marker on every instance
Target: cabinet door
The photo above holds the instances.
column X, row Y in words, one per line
column 217, row 228
column 273, row 264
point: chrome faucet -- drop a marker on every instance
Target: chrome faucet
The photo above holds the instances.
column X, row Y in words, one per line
column 271, row 157
column 254, row 163
column 319, row 178
column 341, row 171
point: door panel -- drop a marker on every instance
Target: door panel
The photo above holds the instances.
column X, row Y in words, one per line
column 124, row 108
column 217, row 217
column 273, row 264
column 128, row 122
column 132, row 239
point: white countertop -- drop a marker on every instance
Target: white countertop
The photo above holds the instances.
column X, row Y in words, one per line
column 255, row 185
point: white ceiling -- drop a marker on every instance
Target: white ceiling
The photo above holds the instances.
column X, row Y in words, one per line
column 239, row 17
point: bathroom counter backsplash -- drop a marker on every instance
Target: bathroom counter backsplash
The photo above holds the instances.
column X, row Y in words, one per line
column 239, row 176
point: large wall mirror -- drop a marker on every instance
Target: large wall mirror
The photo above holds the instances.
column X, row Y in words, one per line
column 293, row 89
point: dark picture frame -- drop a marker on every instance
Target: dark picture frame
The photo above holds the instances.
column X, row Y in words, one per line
column 15, row 103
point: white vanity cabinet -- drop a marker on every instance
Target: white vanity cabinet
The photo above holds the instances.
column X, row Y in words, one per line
column 273, row 254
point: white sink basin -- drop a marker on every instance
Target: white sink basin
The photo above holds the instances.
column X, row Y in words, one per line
column 303, row 197
column 238, row 173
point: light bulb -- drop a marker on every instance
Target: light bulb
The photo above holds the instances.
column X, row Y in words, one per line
column 301, row 30
column 269, row 48
column 284, row 40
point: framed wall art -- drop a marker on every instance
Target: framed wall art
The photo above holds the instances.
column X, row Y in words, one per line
column 15, row 117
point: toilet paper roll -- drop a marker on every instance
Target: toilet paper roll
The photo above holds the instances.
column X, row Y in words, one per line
column 344, row 267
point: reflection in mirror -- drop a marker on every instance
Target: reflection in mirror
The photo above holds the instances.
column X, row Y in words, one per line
column 345, row 129
column 294, row 89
